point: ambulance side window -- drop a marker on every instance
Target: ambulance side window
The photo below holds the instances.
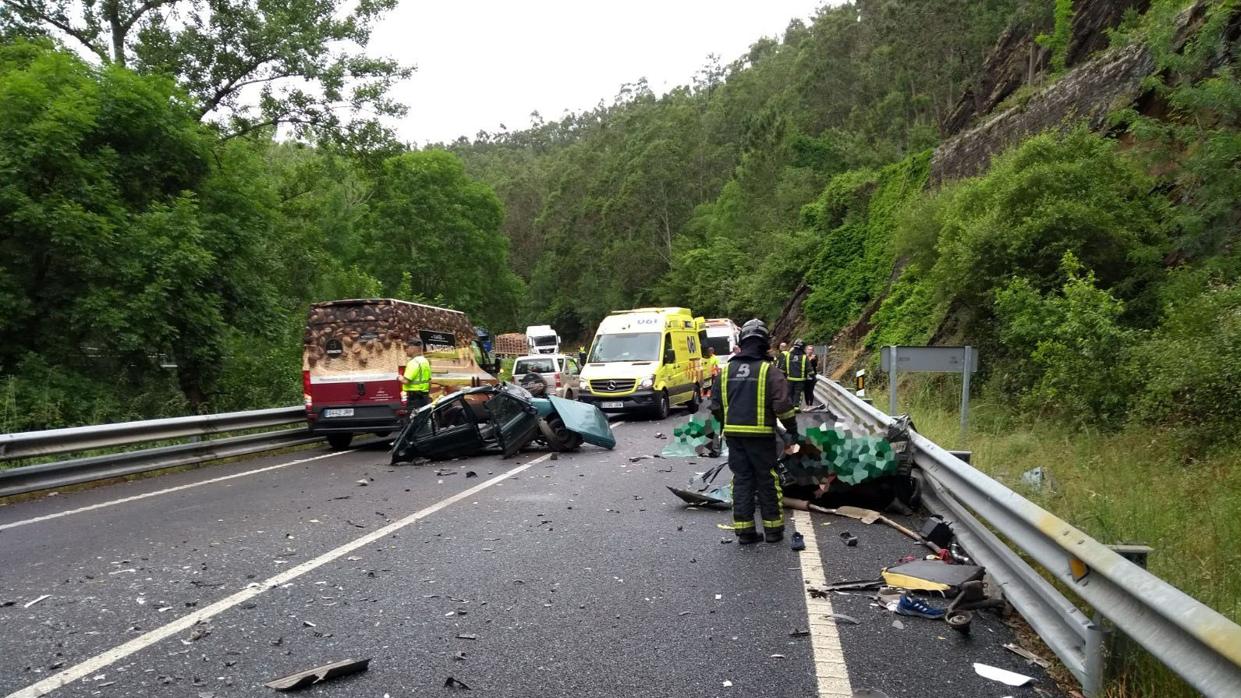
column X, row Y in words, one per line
column 670, row 353
column 693, row 349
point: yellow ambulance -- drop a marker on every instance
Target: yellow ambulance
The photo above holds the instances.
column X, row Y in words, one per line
column 645, row 360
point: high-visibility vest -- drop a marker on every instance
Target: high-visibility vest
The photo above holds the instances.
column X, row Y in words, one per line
column 794, row 366
column 418, row 375
column 743, row 395
column 711, row 365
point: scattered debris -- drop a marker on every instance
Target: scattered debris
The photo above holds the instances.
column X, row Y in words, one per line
column 470, row 473
column 460, row 656
column 660, row 435
column 799, row 632
column 41, row 598
column 869, row 693
column 1027, row 655
column 327, row 672
column 1004, row 676
column 1034, row 478
column 466, row 636
column 898, row 625
column 855, row 585
column 450, row 682
column 308, row 624
column 960, row 621
column 361, row 483
column 725, row 541
column 635, row 459
column 911, row 606
column 798, row 541
column 442, row 472
column 847, row 619
column 849, row 539
column 936, row 530
column 777, row 656
column 728, row 684
column 931, row 575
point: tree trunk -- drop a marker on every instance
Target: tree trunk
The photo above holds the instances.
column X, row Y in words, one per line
column 113, row 12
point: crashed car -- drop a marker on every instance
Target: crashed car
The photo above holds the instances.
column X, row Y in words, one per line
column 500, row 419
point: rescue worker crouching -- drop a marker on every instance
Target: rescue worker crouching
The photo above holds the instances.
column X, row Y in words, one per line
column 416, row 380
column 751, row 395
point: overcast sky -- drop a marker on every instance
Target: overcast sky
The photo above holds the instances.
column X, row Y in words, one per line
column 486, row 62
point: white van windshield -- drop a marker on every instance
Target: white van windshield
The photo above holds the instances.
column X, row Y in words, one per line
column 626, row 347
column 720, row 344
column 545, row 341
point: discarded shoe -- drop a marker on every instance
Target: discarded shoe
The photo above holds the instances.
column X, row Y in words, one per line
column 774, row 535
column 799, row 543
column 748, row 537
column 910, row 606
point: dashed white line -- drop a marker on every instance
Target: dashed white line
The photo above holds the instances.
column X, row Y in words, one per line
column 94, row 664
column 101, row 505
column 829, row 659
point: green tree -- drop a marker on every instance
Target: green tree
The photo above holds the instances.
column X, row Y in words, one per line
column 246, row 63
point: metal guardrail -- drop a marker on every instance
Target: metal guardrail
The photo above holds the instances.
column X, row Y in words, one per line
column 32, row 478
column 1193, row 640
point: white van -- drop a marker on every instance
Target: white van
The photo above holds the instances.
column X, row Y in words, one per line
column 542, row 339
column 722, row 335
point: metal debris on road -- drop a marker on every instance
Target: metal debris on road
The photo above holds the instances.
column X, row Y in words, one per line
column 1009, row 678
column 450, row 682
column 849, row 539
column 847, row 619
column 1027, row 655
column 41, row 598
column 327, row 672
column 799, row 632
column 466, row 636
column 363, row 483
column 777, row 656
column 728, row 684
column 460, row 656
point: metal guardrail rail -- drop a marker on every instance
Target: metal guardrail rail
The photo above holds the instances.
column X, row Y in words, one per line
column 32, row 478
column 1193, row 640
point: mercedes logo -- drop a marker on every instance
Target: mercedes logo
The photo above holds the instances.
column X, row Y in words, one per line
column 611, row 385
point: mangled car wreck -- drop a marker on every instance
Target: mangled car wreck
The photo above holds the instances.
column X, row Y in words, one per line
column 499, row 419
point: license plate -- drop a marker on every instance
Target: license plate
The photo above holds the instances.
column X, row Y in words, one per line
column 346, row 412
column 611, row 405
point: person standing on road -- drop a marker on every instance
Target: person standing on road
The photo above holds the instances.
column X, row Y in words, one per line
column 416, row 380
column 812, row 373
column 581, row 355
column 751, row 396
column 793, row 363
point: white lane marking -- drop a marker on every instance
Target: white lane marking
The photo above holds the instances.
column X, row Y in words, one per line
column 94, row 664
column 829, row 659
column 169, row 490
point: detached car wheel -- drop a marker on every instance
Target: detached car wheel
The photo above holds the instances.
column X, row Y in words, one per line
column 339, row 442
column 558, row 437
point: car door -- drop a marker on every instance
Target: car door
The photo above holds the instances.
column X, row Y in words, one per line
column 453, row 430
column 514, row 419
column 573, row 383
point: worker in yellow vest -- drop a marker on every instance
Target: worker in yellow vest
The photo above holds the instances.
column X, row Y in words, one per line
column 416, row 379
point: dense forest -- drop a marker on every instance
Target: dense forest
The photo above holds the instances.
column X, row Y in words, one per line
column 174, row 194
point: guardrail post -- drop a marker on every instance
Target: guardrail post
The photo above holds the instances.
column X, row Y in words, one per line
column 1092, row 682
column 892, row 380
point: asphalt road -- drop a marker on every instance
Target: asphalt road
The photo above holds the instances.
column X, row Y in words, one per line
column 580, row 576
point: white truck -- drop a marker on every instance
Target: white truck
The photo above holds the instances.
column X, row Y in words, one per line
column 542, row 339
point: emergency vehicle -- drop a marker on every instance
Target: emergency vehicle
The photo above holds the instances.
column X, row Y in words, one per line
column 645, row 360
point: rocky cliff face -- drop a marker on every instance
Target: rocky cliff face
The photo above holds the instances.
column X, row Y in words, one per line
column 1087, row 94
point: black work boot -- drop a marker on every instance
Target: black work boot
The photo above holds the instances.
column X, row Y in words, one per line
column 774, row 535
column 748, row 536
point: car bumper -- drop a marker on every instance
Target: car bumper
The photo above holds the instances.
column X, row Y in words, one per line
column 637, row 400
column 374, row 418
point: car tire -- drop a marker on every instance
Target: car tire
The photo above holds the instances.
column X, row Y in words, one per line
column 565, row 440
column 695, row 402
column 662, row 407
column 339, row 441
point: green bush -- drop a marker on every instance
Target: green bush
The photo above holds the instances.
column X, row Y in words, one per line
column 1191, row 365
column 1068, row 348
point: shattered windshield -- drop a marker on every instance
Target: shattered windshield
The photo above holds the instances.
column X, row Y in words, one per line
column 643, row 346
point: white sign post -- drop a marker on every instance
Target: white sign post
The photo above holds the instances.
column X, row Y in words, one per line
column 963, row 360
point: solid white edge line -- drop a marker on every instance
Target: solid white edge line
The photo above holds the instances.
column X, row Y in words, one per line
column 100, row 661
column 829, row 659
column 169, row 490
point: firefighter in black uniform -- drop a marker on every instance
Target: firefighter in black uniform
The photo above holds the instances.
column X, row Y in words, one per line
column 752, row 394
column 794, row 365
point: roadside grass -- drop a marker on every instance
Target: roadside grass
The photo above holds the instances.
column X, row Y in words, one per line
column 1132, row 486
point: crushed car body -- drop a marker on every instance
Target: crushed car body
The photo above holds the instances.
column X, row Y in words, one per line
column 498, row 419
